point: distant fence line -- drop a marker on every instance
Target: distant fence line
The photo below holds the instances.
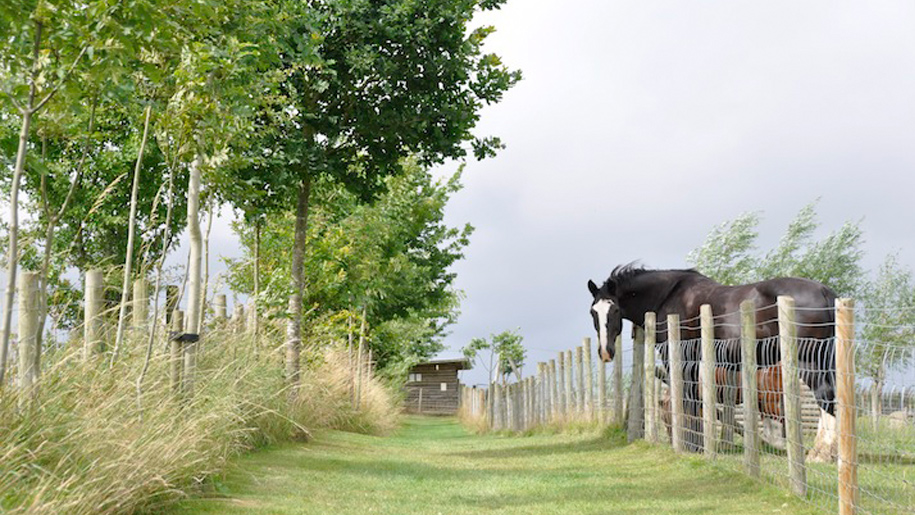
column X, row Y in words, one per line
column 770, row 439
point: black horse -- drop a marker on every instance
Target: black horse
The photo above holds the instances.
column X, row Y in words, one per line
column 632, row 291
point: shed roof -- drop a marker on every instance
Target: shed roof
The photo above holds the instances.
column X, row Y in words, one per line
column 462, row 363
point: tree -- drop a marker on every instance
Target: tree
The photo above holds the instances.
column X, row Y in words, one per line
column 501, row 355
column 42, row 44
column 728, row 254
column 386, row 80
column 886, row 335
column 393, row 256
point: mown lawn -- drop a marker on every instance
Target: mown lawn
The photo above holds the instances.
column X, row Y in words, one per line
column 432, row 465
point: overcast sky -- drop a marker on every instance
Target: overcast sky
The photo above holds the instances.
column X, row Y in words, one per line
column 641, row 125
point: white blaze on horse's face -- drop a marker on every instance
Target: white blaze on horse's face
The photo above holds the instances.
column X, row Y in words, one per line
column 601, row 310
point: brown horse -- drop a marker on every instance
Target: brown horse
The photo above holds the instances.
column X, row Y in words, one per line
column 630, row 292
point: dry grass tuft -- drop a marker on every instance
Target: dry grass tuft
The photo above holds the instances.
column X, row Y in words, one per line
column 88, row 445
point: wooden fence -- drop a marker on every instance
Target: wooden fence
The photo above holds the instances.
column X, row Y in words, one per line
column 769, row 439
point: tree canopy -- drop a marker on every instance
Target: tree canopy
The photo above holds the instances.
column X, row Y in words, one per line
column 278, row 107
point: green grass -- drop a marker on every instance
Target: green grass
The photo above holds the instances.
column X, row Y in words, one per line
column 433, row 465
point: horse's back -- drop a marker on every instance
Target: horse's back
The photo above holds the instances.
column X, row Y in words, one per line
column 815, row 303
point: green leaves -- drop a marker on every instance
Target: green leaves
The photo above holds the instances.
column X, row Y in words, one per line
column 502, row 353
column 729, row 253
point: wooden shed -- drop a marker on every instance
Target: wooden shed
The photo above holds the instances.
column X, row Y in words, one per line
column 433, row 387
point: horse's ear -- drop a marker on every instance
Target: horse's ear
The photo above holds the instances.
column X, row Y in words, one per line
column 592, row 288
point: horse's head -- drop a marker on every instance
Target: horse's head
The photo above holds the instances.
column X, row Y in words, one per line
column 607, row 318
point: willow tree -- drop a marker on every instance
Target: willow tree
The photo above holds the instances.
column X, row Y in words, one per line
column 887, row 333
column 369, row 83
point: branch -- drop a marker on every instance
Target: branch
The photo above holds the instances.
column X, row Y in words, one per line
column 15, row 102
column 62, row 81
column 79, row 166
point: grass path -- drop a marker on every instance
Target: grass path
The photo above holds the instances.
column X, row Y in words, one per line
column 432, row 465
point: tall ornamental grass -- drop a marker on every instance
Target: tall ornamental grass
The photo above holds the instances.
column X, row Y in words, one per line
column 88, row 443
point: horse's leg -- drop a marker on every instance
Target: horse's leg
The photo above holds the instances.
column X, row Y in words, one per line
column 773, row 433
column 729, row 405
column 825, row 447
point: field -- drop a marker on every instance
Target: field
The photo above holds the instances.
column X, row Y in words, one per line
column 433, row 465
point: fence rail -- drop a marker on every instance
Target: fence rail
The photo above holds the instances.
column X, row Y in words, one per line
column 697, row 397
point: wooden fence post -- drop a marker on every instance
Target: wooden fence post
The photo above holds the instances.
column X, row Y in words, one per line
column 238, row 319
column 140, row 311
column 618, row 381
column 171, row 303
column 570, row 394
column 651, row 403
column 536, row 389
column 29, row 352
column 787, row 330
column 419, row 402
column 580, row 382
column 93, row 339
column 509, row 408
column 589, row 380
column 636, row 409
column 554, row 392
column 252, row 322
column 675, row 358
column 601, row 391
column 845, row 397
column 538, row 386
column 519, row 402
column 175, row 352
column 219, row 307
column 490, row 399
column 707, row 378
column 750, row 388
column 544, row 393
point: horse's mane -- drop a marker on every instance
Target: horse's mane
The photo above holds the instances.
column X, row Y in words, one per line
column 624, row 273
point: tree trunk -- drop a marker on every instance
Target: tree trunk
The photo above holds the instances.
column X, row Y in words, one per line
column 13, row 249
column 206, row 267
column 151, row 337
column 255, row 322
column 52, row 228
column 877, row 394
column 192, row 318
column 131, row 234
column 294, row 336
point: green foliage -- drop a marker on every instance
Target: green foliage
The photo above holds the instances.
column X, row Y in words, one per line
column 729, row 253
column 887, row 333
column 728, row 256
column 363, row 85
column 502, row 353
column 392, row 256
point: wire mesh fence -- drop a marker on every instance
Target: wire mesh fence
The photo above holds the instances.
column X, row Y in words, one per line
column 802, row 399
